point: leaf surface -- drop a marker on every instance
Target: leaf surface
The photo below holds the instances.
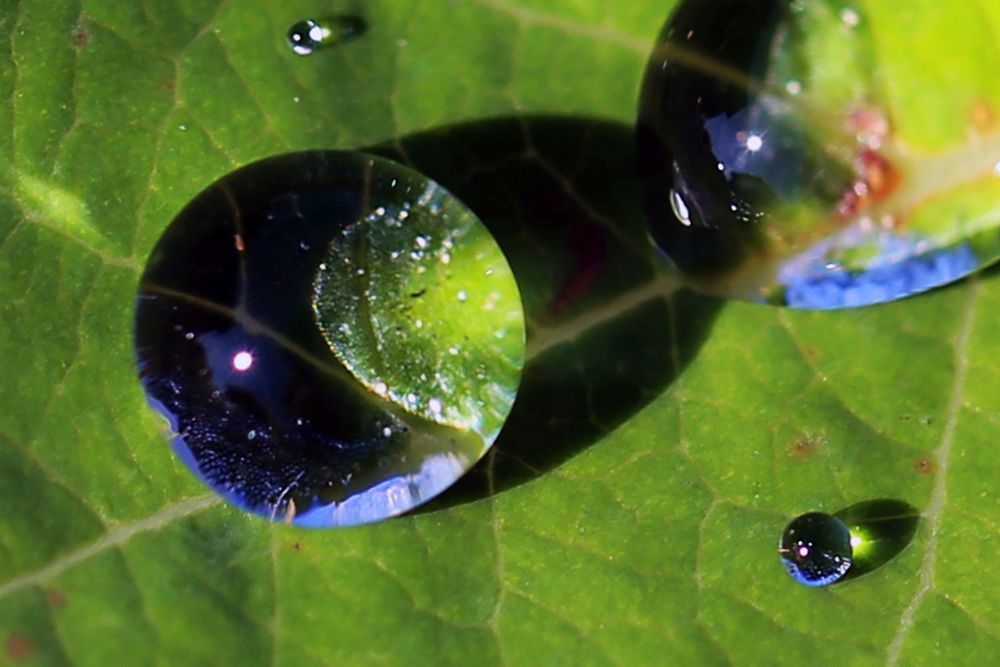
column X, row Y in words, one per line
column 630, row 511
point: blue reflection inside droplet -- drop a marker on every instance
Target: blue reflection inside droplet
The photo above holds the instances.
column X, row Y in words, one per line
column 833, row 287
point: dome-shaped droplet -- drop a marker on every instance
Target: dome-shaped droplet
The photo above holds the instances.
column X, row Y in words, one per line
column 308, row 35
column 816, row 549
column 789, row 156
column 276, row 331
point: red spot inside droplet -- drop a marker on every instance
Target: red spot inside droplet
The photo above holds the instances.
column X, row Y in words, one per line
column 81, row 36
column 983, row 116
column 55, row 597
column 924, row 466
column 19, row 647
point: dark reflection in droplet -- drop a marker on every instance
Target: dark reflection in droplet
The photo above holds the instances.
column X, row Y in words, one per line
column 229, row 350
column 308, row 35
column 816, row 549
column 880, row 530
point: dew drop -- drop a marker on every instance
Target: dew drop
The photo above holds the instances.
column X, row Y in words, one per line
column 775, row 193
column 308, row 35
column 259, row 359
column 816, row 549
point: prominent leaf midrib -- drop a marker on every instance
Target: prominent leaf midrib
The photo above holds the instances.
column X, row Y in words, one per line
column 939, row 495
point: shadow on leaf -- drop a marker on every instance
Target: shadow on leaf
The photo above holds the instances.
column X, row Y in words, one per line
column 607, row 330
column 880, row 530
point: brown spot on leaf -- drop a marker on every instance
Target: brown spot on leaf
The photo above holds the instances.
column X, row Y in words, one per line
column 81, row 36
column 56, row 598
column 924, row 466
column 983, row 116
column 297, row 546
column 169, row 84
column 18, row 647
column 804, row 448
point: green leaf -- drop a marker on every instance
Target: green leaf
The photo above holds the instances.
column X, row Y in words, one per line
column 418, row 302
column 630, row 510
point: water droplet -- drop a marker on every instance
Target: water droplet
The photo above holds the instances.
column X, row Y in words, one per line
column 776, row 194
column 462, row 295
column 308, row 35
column 268, row 403
column 816, row 549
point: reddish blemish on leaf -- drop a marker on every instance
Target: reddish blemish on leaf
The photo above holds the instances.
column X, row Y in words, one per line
column 18, row 647
column 55, row 597
column 983, row 116
column 590, row 248
column 81, row 36
column 804, row 447
column 924, row 466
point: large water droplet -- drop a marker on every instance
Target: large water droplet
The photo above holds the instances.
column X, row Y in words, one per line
column 308, row 35
column 816, row 549
column 264, row 401
column 779, row 168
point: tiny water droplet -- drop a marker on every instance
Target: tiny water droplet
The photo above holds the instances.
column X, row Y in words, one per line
column 816, row 549
column 308, row 35
column 462, row 295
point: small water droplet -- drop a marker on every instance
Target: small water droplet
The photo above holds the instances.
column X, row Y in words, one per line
column 816, row 549
column 793, row 87
column 421, row 242
column 251, row 435
column 434, row 405
column 308, row 35
column 462, row 295
column 189, row 335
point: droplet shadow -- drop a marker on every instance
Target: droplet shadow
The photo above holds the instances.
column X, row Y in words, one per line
column 606, row 332
column 880, row 530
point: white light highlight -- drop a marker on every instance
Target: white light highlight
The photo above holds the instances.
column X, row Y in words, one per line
column 803, row 552
column 856, row 541
column 242, row 361
column 754, row 143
